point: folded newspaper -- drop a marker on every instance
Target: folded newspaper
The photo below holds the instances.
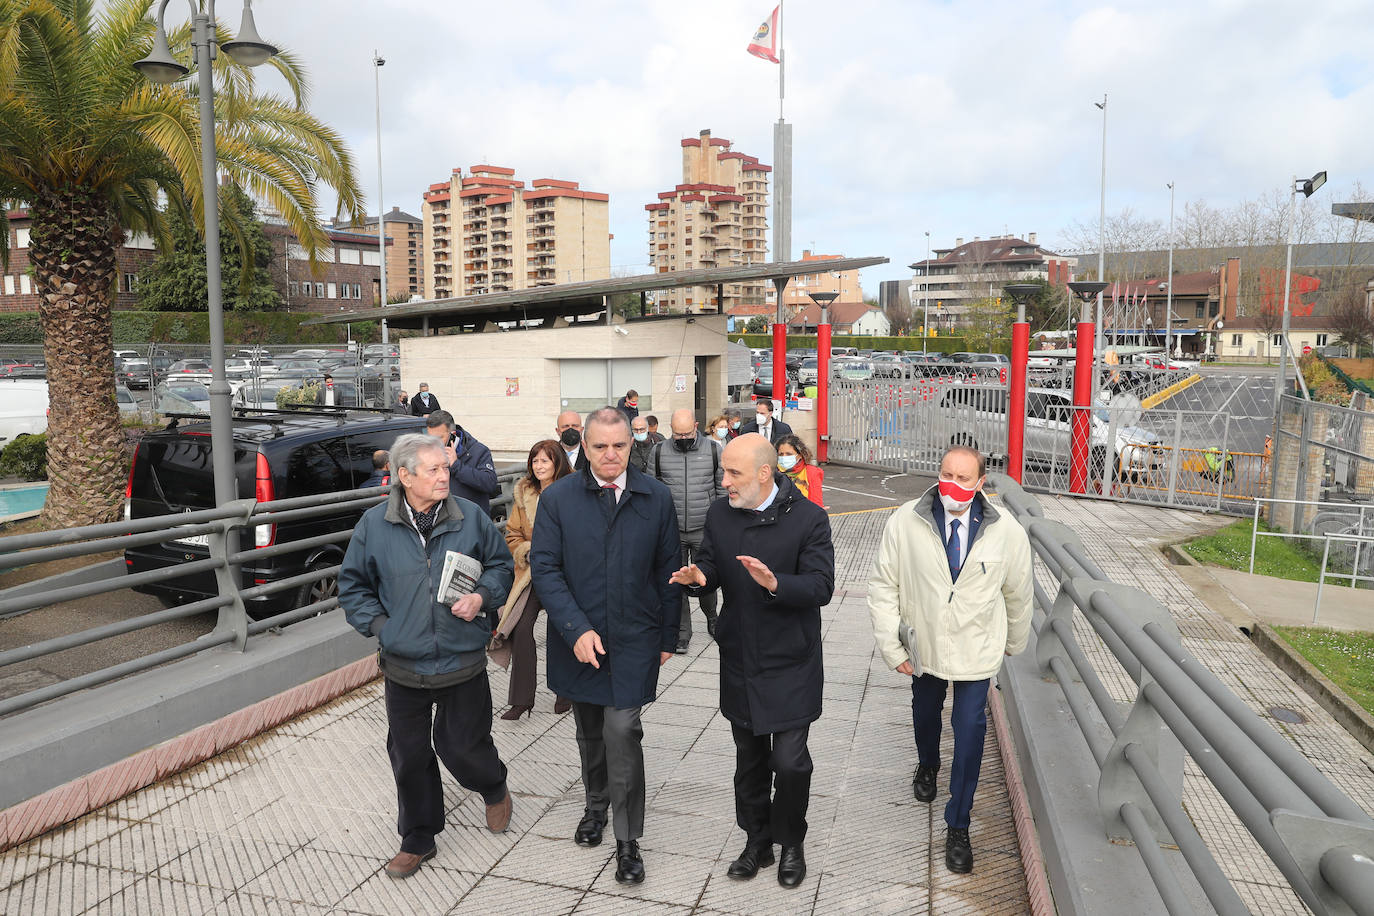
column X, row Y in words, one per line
column 459, row 576
column 907, row 635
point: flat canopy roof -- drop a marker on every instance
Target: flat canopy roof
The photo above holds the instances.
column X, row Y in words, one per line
column 586, row 298
column 1364, row 211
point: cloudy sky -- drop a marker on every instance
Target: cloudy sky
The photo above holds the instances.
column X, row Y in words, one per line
column 961, row 118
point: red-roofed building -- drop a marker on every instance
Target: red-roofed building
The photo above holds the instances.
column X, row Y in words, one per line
column 485, row 232
column 714, row 218
column 968, row 272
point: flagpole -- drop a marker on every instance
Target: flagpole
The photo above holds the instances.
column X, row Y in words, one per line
column 782, row 59
column 782, row 166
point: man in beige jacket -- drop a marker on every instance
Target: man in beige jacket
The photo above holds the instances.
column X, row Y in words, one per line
column 951, row 594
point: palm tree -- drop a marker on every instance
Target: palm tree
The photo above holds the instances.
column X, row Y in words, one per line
column 98, row 152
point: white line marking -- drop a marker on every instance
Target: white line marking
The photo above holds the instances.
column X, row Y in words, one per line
column 1237, row 391
column 860, row 493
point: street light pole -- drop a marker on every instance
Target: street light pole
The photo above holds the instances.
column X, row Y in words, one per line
column 925, row 301
column 1169, row 300
column 1101, row 245
column 377, row 63
column 823, row 300
column 1307, row 188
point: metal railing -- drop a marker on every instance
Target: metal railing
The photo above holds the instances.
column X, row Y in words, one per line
column 1319, row 839
column 1349, row 525
column 234, row 624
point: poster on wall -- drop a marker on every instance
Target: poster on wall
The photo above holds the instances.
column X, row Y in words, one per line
column 512, row 387
column 679, row 383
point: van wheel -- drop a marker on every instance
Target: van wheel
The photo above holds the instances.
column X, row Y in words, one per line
column 320, row 589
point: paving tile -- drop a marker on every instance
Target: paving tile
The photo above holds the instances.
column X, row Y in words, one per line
column 494, row 894
column 557, row 861
column 313, row 876
column 64, row 887
column 64, row 842
column 156, row 896
column 594, row 904
column 429, row 890
column 224, row 862
column 257, row 905
column 760, row 896
column 668, row 878
column 863, row 894
column 141, row 849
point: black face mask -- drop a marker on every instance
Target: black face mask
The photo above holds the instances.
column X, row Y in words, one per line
column 571, row 438
column 683, row 445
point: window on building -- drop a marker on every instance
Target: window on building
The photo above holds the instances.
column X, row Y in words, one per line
column 9, row 285
column 357, row 290
column 25, row 284
column 350, row 256
column 1199, row 310
column 130, row 282
column 372, row 259
column 333, row 291
column 293, row 288
column 1321, row 340
column 319, row 290
column 21, row 238
column 1236, row 340
column 1278, row 340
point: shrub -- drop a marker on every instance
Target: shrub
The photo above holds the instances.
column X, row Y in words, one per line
column 26, row 457
column 306, row 394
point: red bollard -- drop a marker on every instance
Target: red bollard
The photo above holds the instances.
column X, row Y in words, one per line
column 1016, row 399
column 822, row 390
column 779, row 396
column 1080, row 439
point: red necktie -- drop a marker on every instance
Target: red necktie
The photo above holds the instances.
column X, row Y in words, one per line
column 613, row 488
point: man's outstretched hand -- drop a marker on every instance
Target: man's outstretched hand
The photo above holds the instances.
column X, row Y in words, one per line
column 688, row 575
column 760, row 573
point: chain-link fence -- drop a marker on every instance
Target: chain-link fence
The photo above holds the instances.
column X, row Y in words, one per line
column 1323, row 454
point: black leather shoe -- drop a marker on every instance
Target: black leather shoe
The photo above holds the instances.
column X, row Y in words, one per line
column 711, row 625
column 923, row 785
column 754, row 857
column 629, row 867
column 791, row 867
column 589, row 828
column 958, row 852
column 681, row 648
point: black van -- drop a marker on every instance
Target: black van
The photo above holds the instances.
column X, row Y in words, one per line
column 276, row 456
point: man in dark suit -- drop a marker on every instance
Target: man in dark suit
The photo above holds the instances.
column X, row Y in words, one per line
column 769, row 549
column 764, row 424
column 605, row 545
column 424, row 403
column 568, row 428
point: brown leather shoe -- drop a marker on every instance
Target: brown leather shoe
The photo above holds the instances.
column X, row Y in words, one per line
column 405, row 864
column 498, row 815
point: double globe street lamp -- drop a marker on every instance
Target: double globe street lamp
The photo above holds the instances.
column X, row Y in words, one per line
column 160, row 67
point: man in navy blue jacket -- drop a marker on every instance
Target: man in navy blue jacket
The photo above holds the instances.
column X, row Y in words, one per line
column 472, row 474
column 432, row 654
column 605, row 543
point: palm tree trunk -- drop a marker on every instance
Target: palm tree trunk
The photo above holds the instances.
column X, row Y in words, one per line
column 72, row 249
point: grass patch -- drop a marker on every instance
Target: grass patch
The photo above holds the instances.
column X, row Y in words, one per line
column 1229, row 548
column 1346, row 658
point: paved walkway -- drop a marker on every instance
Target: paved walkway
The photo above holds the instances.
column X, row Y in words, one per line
column 301, row 819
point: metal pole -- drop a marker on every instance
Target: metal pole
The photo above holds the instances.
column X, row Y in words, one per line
column 377, row 64
column 1101, row 252
column 1016, row 397
column 221, row 416
column 1254, row 533
column 1169, row 301
column 1287, row 285
column 925, row 302
column 1080, row 441
column 823, row 386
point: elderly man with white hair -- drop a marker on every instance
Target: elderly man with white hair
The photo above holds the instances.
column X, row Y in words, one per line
column 432, row 650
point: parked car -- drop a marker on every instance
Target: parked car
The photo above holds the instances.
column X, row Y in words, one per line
column 277, row 457
column 23, row 408
column 852, row 368
column 133, row 373
column 24, row 371
column 127, row 354
column 806, row 373
column 891, row 367
column 184, row 369
column 261, row 395
column 181, row 397
column 128, row 405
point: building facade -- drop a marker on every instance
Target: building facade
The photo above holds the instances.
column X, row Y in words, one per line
column 405, row 256
column 345, row 277
column 18, row 292
column 955, row 277
column 845, row 318
column 485, row 232
column 715, row 218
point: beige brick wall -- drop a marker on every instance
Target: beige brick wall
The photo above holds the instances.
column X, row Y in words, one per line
column 468, row 372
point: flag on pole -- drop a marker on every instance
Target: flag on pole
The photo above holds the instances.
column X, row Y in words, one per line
column 765, row 41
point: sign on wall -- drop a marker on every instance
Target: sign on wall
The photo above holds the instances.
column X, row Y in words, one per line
column 512, row 387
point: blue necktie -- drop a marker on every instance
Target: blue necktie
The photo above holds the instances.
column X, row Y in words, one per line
column 952, row 549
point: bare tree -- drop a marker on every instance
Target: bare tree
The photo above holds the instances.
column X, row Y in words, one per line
column 1352, row 318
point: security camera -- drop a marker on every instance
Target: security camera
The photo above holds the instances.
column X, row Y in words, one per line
column 621, row 331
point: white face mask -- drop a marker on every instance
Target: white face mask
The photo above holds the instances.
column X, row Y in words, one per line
column 955, row 498
column 721, row 432
column 787, row 462
column 763, row 418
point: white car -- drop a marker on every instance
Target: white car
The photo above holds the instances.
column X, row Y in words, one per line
column 23, row 408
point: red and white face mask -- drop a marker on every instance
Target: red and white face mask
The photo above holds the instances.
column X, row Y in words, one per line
column 956, row 498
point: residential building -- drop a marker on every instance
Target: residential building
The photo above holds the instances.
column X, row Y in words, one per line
column 845, row 318
column 405, row 256
column 1260, row 338
column 18, row 292
column 797, row 294
column 485, row 232
column 345, row 277
column 968, row 272
column 715, row 218
column 1202, row 300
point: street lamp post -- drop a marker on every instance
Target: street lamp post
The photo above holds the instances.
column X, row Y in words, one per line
column 162, row 68
column 1080, row 444
column 1101, row 238
column 925, row 301
column 1307, row 187
column 377, row 63
column 1169, row 296
column 823, row 300
column 1016, row 394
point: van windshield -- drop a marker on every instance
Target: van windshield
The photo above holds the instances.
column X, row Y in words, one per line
column 176, row 475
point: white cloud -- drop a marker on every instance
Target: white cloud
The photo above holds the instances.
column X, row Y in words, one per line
column 963, row 118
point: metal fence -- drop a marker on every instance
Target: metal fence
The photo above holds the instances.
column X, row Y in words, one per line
column 1343, row 532
column 234, row 625
column 1320, row 840
column 1322, row 453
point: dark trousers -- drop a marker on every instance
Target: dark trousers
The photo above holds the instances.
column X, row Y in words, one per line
column 608, row 740
column 691, row 543
column 459, row 718
column 524, row 660
column 969, row 722
column 772, row 784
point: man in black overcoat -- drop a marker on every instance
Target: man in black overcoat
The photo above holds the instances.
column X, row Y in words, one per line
column 605, row 544
column 768, row 548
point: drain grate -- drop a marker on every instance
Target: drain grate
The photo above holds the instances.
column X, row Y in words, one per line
column 1284, row 714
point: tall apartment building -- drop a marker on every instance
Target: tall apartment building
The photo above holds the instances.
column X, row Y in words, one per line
column 968, row 272
column 715, row 218
column 797, row 294
column 485, row 232
column 405, row 256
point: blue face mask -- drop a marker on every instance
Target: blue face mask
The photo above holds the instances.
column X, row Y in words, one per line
column 787, row 462
column 641, row 437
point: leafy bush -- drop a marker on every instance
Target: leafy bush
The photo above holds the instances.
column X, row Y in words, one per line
column 306, row 394
column 1322, row 383
column 26, row 457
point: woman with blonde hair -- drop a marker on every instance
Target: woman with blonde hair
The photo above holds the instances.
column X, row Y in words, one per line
column 512, row 642
column 794, row 460
column 718, row 430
